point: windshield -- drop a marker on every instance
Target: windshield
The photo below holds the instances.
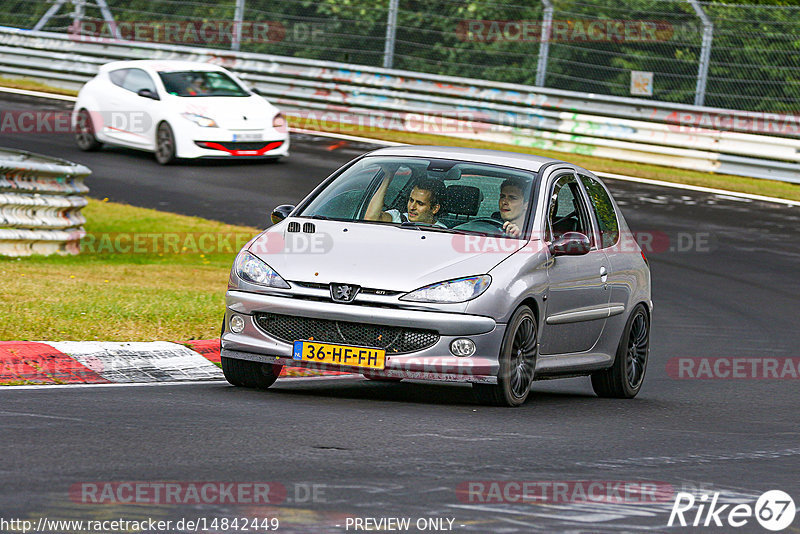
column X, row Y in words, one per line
column 201, row 83
column 429, row 194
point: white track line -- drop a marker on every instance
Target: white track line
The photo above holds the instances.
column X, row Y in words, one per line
column 697, row 188
column 382, row 142
column 51, row 96
column 181, row 383
column 348, row 137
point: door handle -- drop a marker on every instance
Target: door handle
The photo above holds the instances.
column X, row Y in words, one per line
column 603, row 274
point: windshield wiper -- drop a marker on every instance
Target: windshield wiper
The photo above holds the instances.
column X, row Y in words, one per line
column 432, row 228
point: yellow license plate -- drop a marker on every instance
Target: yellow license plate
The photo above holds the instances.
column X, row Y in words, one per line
column 311, row 351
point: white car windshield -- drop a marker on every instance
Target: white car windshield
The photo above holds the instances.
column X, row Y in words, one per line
column 201, row 83
column 444, row 195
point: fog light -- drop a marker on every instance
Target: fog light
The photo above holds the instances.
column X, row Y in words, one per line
column 237, row 324
column 462, row 347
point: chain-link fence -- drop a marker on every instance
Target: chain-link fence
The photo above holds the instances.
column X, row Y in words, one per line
column 686, row 51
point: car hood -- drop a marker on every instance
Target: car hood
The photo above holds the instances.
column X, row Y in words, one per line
column 377, row 256
column 234, row 113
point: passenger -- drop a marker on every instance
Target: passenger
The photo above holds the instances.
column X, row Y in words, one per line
column 513, row 206
column 424, row 201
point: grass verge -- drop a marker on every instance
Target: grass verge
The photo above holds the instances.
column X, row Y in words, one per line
column 30, row 85
column 142, row 275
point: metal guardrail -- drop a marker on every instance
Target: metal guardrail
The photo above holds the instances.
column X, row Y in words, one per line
column 40, row 203
column 687, row 137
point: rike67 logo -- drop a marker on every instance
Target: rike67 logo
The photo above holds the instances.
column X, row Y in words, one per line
column 774, row 510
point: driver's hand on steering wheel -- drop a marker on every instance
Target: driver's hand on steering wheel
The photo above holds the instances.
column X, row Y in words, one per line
column 511, row 229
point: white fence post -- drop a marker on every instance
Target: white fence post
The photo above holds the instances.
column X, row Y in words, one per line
column 705, row 54
column 544, row 43
column 391, row 30
column 238, row 18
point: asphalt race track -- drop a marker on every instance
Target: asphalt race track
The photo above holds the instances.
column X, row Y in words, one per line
column 725, row 284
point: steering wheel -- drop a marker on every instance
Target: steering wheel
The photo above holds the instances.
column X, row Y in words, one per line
column 481, row 223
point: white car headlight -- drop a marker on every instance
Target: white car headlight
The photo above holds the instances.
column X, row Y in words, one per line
column 200, row 120
column 460, row 290
column 251, row 269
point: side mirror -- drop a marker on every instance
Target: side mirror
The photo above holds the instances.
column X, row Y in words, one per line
column 147, row 93
column 281, row 212
column 570, row 244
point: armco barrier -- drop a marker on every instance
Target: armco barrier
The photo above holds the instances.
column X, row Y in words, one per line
column 686, row 137
column 40, row 203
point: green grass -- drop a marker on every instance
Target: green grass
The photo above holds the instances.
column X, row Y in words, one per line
column 122, row 293
column 30, row 85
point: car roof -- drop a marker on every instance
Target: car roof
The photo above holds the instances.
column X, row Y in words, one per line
column 161, row 65
column 527, row 162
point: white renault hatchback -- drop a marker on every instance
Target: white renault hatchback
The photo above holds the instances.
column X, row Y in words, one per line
column 177, row 109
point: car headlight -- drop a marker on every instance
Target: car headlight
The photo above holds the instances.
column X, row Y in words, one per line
column 279, row 123
column 460, row 290
column 200, row 120
column 251, row 269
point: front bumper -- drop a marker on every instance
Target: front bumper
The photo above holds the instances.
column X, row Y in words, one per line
column 196, row 142
column 433, row 363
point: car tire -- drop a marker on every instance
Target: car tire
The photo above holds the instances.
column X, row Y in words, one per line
column 623, row 380
column 165, row 144
column 84, row 133
column 247, row 374
column 517, row 360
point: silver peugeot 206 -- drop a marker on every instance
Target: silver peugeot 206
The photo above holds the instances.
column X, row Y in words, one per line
column 442, row 263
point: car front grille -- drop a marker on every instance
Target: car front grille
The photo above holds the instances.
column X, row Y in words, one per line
column 395, row 340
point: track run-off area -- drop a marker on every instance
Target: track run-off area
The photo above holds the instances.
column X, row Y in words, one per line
column 718, row 413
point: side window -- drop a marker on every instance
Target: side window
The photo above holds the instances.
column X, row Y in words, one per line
column 567, row 212
column 604, row 211
column 118, row 76
column 137, row 79
column 346, row 199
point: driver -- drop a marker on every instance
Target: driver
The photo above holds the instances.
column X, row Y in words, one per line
column 424, row 201
column 513, row 205
column 197, row 87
